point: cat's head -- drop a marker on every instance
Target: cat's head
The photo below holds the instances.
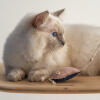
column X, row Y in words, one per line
column 50, row 27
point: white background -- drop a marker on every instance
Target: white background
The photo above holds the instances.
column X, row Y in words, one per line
column 77, row 11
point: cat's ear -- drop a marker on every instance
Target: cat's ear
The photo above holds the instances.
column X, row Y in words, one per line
column 59, row 12
column 40, row 18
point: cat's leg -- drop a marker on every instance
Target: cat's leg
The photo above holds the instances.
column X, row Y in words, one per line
column 38, row 75
column 15, row 75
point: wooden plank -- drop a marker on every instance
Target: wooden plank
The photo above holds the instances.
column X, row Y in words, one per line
column 79, row 84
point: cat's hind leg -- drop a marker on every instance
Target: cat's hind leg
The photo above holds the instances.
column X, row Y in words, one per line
column 16, row 75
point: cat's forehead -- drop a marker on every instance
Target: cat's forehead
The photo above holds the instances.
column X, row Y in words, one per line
column 53, row 24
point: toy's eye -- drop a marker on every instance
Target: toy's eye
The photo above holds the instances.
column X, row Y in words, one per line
column 54, row 34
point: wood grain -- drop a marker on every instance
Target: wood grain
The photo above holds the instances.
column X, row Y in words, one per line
column 79, row 84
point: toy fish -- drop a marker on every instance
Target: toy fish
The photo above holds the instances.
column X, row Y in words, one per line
column 64, row 74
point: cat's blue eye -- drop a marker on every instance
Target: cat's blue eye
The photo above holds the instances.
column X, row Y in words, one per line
column 53, row 34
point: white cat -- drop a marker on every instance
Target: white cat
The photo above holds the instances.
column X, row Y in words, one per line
column 35, row 47
column 41, row 44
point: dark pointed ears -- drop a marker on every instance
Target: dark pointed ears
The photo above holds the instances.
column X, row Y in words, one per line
column 39, row 19
column 59, row 12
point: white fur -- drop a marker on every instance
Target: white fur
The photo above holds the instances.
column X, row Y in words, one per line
column 83, row 41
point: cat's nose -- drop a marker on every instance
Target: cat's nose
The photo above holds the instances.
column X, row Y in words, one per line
column 63, row 43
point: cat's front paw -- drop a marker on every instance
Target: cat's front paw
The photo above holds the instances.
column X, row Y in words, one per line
column 38, row 75
column 16, row 75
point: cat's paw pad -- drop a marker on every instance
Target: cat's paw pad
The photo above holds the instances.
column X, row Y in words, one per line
column 16, row 75
column 36, row 76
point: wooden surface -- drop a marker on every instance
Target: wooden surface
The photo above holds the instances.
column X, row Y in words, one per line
column 78, row 84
